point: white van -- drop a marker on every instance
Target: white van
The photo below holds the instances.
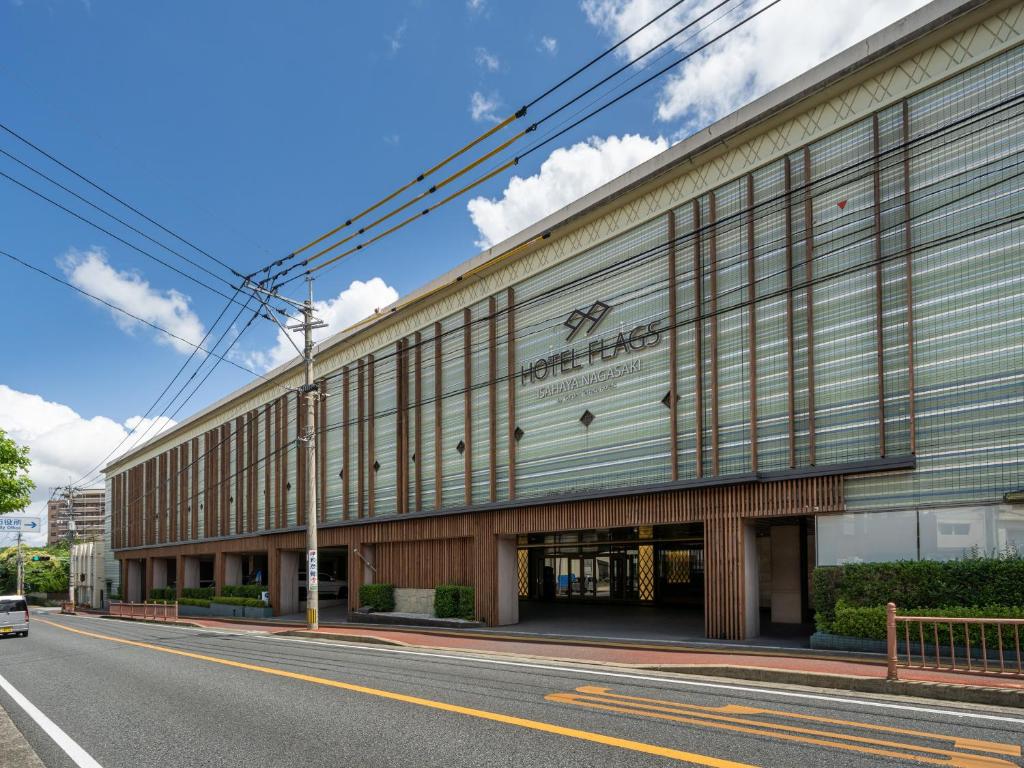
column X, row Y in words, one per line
column 13, row 615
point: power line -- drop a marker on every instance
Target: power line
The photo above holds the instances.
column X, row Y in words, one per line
column 515, row 160
column 114, row 217
column 487, row 134
column 797, row 286
column 114, row 197
column 159, row 397
column 118, row 238
column 129, row 314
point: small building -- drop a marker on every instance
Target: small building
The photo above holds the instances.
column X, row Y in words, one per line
column 87, row 571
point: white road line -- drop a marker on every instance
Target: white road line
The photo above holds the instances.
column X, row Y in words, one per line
column 672, row 680
column 78, row 755
column 584, row 670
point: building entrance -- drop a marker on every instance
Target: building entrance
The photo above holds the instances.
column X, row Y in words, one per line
column 663, row 564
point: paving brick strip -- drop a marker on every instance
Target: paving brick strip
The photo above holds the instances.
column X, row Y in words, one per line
column 860, row 675
column 15, row 752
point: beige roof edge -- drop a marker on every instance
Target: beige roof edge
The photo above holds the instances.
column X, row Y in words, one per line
column 771, row 107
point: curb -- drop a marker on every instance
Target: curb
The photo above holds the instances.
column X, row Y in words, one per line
column 967, row 694
column 365, row 639
column 872, row 660
column 14, row 747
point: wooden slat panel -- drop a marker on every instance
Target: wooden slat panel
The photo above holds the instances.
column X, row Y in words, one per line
column 790, row 351
column 467, row 402
column 812, row 433
column 909, row 277
column 492, row 398
column 673, row 352
column 346, row 470
column 752, row 322
column 510, row 341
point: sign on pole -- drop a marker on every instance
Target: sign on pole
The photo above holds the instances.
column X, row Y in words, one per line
column 17, row 524
column 312, row 579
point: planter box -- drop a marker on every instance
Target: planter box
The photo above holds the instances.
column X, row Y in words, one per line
column 222, row 609
column 193, row 610
column 257, row 613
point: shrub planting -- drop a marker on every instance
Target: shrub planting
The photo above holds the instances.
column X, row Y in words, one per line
column 247, row 602
column 452, row 601
column 243, row 590
column 377, row 597
column 917, row 585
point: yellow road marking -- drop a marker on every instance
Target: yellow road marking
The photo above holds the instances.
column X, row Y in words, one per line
column 959, row 742
column 482, row 714
column 594, row 697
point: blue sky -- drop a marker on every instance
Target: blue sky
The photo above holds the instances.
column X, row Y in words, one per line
column 251, row 127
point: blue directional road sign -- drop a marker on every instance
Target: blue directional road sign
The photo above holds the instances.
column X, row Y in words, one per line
column 18, row 524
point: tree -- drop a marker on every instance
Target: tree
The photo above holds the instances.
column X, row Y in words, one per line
column 15, row 485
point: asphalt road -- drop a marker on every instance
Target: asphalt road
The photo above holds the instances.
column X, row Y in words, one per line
column 146, row 695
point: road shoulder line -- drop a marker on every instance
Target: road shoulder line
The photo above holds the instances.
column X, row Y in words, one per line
column 78, row 756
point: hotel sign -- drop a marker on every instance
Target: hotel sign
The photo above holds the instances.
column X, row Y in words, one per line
column 594, row 363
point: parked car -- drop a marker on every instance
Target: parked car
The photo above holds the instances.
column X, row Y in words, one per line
column 13, row 615
column 329, row 586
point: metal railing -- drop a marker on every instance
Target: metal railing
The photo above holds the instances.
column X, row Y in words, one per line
column 975, row 645
column 145, row 611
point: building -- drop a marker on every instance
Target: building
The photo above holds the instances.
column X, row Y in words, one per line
column 796, row 337
column 88, row 571
column 88, row 512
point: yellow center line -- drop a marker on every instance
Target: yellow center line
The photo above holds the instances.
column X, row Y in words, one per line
column 481, row 714
column 612, row 703
column 959, row 742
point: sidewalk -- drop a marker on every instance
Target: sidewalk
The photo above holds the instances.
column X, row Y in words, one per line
column 783, row 665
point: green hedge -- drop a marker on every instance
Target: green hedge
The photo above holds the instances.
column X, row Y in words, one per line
column 454, row 601
column 198, row 593
column 869, row 622
column 194, row 601
column 919, row 584
column 248, row 602
column 243, row 590
column 377, row 597
column 163, row 593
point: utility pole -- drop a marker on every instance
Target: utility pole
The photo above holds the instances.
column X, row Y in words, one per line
column 21, row 567
column 310, row 391
column 69, row 492
column 312, row 575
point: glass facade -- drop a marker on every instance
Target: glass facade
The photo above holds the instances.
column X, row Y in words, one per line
column 851, row 306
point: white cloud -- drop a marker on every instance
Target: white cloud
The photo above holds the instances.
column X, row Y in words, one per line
column 171, row 310
column 484, row 108
column 487, row 60
column 397, row 38
column 775, row 47
column 476, row 6
column 359, row 300
column 566, row 175
column 62, row 444
column 548, row 45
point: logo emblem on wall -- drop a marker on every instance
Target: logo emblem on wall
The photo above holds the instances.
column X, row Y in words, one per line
column 578, row 319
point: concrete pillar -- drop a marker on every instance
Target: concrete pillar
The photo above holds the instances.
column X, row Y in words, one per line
column 287, row 598
column 751, row 582
column 189, row 572
column 232, row 569
column 179, row 569
column 508, row 581
column 133, row 588
column 786, row 587
column 218, row 572
column 158, row 569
